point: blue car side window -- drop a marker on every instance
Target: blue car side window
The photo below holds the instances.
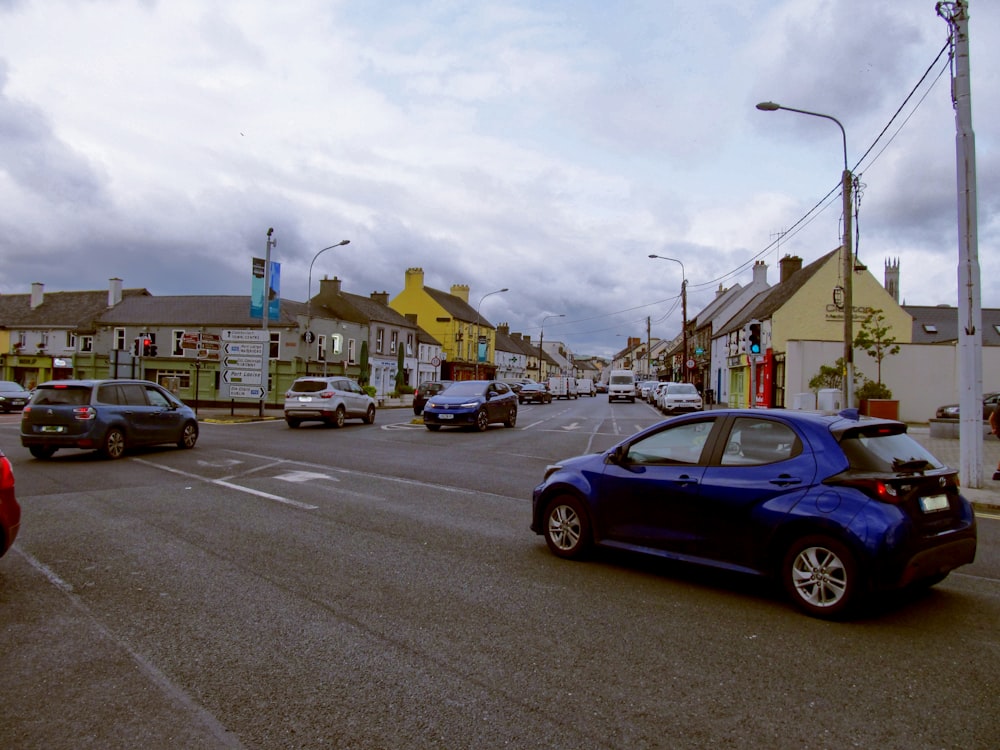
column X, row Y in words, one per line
column 680, row 444
column 754, row 442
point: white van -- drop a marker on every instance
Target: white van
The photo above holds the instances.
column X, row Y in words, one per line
column 585, row 387
column 562, row 387
column 621, row 385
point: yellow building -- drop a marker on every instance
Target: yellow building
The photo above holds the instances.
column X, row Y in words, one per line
column 803, row 306
column 467, row 339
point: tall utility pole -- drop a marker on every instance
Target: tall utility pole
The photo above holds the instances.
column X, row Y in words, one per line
column 649, row 351
column 970, row 337
column 266, row 367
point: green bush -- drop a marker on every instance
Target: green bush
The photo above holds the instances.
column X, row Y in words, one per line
column 873, row 389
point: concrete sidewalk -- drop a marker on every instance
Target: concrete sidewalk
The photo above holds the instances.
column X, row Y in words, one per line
column 949, row 450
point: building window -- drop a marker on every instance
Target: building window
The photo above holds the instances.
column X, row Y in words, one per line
column 409, row 345
column 379, row 339
column 275, row 348
column 321, row 348
column 119, row 336
column 176, row 338
column 171, row 379
column 393, row 341
column 70, row 340
column 350, row 352
column 86, row 343
column 930, row 328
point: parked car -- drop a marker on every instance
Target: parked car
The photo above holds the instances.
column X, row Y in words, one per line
column 833, row 506
column 330, row 400
column 424, row 391
column 10, row 511
column 601, row 387
column 475, row 403
column 644, row 388
column 585, row 387
column 534, row 393
column 110, row 416
column 13, row 396
column 676, row 398
column 951, row 410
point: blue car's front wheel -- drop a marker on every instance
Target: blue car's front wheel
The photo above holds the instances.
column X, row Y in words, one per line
column 567, row 527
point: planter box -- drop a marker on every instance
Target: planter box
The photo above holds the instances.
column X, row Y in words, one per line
column 883, row 408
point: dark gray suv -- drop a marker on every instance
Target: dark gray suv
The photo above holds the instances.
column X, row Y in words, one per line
column 109, row 416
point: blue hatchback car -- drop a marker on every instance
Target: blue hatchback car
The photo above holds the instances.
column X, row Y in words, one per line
column 833, row 506
column 472, row 403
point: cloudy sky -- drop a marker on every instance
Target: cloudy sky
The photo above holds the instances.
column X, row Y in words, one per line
column 547, row 146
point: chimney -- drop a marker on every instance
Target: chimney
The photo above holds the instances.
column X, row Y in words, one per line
column 504, row 328
column 414, row 278
column 114, row 292
column 461, row 291
column 789, row 265
column 381, row 297
column 37, row 294
column 760, row 273
column 720, row 291
column 329, row 286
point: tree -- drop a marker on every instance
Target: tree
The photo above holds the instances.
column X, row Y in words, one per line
column 832, row 377
column 363, row 365
column 400, row 375
column 874, row 339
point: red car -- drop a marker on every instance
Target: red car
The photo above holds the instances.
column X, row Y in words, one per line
column 10, row 511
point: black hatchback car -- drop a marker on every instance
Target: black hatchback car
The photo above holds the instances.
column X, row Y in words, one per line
column 425, row 390
column 109, row 416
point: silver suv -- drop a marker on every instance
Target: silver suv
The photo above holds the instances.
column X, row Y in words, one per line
column 327, row 399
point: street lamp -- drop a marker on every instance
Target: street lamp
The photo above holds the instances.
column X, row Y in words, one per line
column 308, row 335
column 478, row 319
column 541, row 340
column 848, row 261
column 684, row 312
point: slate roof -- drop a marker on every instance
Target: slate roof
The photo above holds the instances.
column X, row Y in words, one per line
column 195, row 311
column 456, row 307
column 72, row 310
column 939, row 325
column 763, row 305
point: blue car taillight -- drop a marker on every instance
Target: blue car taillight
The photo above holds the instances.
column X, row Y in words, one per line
column 84, row 412
column 876, row 489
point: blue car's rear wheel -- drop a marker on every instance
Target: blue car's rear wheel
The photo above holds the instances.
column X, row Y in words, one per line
column 821, row 576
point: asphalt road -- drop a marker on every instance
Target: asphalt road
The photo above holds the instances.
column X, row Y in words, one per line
column 378, row 587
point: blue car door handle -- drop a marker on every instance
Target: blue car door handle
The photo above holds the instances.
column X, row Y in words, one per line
column 784, row 480
column 685, row 479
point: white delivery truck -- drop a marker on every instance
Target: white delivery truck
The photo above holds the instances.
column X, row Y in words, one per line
column 562, row 387
column 585, row 387
column 621, row 385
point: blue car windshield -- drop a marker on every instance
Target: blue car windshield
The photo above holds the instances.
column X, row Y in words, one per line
column 470, row 388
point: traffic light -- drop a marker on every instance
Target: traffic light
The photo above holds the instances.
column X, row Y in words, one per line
column 753, row 338
column 137, row 346
column 152, row 349
column 147, row 345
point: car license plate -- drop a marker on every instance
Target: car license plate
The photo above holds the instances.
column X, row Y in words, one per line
column 445, row 416
column 52, row 428
column 934, row 503
column 305, row 398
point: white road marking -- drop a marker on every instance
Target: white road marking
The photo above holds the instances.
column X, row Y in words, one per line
column 230, row 485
